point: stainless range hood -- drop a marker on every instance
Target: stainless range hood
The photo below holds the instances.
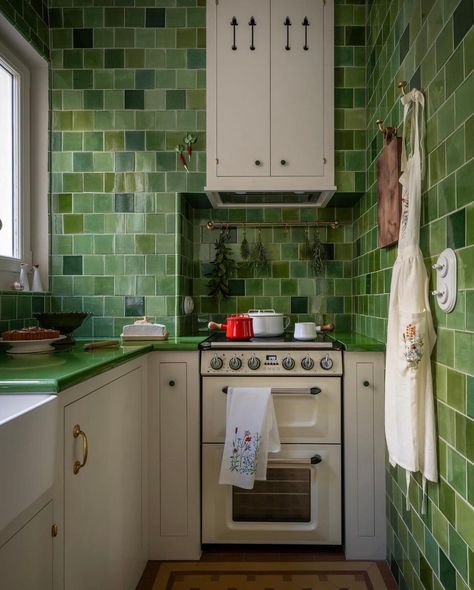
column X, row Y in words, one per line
column 269, row 199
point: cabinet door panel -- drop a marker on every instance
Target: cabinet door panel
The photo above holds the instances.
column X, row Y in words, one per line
column 26, row 560
column 243, row 89
column 103, row 502
column 297, row 89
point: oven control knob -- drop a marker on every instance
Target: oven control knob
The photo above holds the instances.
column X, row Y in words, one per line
column 216, row 363
column 307, row 363
column 288, row 363
column 326, row 363
column 253, row 363
column 235, row 363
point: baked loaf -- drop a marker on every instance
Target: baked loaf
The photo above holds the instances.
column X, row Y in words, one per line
column 32, row 333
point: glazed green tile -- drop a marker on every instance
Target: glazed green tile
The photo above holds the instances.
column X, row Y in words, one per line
column 93, row 265
column 464, row 342
column 465, row 520
column 103, row 285
column 73, row 224
column 72, row 265
column 464, row 178
column 93, row 141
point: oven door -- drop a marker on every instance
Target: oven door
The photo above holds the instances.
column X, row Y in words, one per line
column 302, row 417
column 299, row 503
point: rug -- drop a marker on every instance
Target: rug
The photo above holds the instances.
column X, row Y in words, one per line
column 343, row 575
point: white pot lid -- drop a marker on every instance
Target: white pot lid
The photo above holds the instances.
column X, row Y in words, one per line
column 262, row 313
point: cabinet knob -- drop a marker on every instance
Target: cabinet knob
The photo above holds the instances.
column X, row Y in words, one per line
column 366, row 384
column 171, row 383
column 258, row 163
column 283, row 162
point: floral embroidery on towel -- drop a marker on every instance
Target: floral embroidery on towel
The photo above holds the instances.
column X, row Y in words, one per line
column 404, row 214
column 245, row 452
column 413, row 346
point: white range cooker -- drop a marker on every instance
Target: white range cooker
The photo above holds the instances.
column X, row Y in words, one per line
column 301, row 500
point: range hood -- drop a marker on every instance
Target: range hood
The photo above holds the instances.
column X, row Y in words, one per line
column 262, row 200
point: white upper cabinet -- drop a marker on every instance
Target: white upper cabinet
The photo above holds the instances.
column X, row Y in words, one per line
column 270, row 95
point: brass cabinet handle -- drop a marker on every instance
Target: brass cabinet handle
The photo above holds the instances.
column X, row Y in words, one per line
column 85, row 448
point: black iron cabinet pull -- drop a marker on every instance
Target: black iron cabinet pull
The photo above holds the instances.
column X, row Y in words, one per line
column 305, row 24
column 233, row 24
column 252, row 24
column 287, row 24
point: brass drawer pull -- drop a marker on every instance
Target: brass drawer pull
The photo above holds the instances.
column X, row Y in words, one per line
column 85, row 448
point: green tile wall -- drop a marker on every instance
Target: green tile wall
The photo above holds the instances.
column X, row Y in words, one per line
column 289, row 286
column 430, row 44
column 31, row 19
column 128, row 83
column 16, row 309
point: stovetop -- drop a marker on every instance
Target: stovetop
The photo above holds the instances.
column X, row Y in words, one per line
column 218, row 340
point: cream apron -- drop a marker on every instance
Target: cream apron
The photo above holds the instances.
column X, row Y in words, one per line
column 409, row 406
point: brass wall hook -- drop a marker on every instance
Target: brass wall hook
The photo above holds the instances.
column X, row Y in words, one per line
column 379, row 125
column 402, row 85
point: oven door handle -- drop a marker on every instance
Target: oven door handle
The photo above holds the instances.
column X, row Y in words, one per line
column 293, row 390
column 314, row 460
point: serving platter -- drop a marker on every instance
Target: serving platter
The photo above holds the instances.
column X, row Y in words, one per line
column 31, row 346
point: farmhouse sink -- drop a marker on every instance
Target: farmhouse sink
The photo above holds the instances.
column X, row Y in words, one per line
column 28, row 425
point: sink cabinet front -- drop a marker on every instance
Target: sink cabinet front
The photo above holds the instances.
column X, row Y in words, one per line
column 101, row 507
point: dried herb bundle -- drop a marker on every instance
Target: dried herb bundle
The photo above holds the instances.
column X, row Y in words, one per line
column 223, row 268
column 318, row 254
column 244, row 247
column 258, row 255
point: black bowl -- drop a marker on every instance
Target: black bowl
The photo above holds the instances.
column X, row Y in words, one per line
column 64, row 321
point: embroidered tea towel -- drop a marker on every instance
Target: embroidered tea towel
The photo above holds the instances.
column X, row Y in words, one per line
column 251, row 433
column 409, row 406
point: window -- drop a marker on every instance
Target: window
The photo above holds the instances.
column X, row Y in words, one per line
column 9, row 80
column 23, row 156
column 14, row 161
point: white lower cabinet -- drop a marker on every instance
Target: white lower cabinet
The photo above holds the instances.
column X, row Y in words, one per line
column 101, row 488
column 364, row 455
column 26, row 559
column 174, row 465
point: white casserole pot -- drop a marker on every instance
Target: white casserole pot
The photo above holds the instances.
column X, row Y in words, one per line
column 267, row 322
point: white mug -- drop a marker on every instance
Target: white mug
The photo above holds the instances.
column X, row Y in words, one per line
column 305, row 330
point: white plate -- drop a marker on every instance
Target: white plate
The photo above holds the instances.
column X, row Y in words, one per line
column 31, row 346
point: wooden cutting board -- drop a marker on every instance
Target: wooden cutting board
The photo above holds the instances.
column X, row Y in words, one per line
column 389, row 190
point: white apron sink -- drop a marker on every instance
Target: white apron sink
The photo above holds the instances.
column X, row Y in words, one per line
column 28, row 424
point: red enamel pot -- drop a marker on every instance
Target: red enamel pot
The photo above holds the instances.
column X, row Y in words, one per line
column 238, row 327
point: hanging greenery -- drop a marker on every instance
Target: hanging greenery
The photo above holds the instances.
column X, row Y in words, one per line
column 223, row 267
column 244, row 247
column 258, row 256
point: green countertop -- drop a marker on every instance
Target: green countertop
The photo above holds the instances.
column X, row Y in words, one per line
column 353, row 342
column 59, row 370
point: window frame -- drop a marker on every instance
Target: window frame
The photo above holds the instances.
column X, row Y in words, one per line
column 21, row 179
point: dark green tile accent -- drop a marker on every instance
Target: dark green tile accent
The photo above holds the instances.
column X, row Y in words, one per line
column 463, row 20
column 134, row 306
column 456, row 229
column 299, row 305
column 134, row 99
column 83, row 38
column 72, row 265
column 124, row 203
column 155, row 17
column 404, row 43
column 114, row 58
column 447, row 571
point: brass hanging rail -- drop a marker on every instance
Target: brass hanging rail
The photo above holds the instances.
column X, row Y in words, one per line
column 261, row 224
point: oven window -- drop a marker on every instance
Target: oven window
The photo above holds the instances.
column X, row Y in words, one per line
column 284, row 497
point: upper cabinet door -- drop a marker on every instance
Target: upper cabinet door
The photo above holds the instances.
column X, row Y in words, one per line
column 297, row 88
column 243, row 88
